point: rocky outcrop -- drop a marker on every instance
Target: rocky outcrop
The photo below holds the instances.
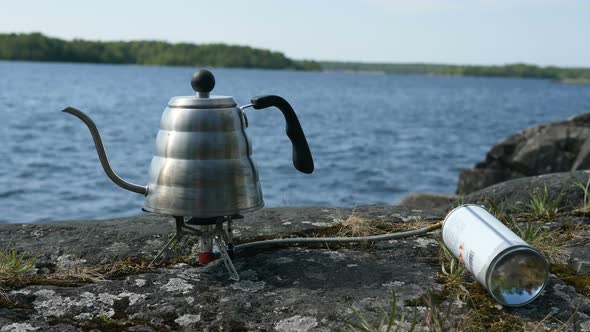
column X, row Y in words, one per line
column 554, row 147
column 512, row 195
column 515, row 195
column 282, row 289
column 428, row 200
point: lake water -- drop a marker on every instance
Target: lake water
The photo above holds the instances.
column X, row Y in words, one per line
column 375, row 138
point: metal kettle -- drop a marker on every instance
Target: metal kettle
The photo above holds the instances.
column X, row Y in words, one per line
column 202, row 164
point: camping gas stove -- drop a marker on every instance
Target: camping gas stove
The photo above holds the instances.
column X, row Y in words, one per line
column 210, row 231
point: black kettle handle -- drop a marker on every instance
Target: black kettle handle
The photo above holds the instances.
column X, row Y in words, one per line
column 302, row 159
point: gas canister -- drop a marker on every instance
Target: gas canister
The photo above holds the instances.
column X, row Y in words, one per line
column 512, row 271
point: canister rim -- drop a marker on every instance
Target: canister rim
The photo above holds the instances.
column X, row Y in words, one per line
column 503, row 254
column 461, row 206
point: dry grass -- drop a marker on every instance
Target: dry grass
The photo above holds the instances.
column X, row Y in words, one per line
column 356, row 225
column 452, row 274
column 73, row 274
column 125, row 267
column 76, row 273
column 80, row 276
column 86, row 274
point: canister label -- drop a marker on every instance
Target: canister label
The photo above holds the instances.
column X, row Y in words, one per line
column 475, row 237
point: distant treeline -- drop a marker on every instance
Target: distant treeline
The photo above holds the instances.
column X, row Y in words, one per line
column 37, row 47
column 511, row 70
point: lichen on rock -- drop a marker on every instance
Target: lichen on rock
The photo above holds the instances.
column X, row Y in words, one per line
column 296, row 324
column 176, row 285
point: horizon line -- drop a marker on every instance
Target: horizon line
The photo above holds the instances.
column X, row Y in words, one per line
column 435, row 63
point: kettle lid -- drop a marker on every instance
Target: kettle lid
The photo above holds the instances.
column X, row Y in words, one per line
column 203, row 83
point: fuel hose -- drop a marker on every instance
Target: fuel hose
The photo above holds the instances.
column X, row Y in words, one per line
column 373, row 238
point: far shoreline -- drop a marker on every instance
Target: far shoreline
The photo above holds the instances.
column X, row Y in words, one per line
column 41, row 48
column 569, row 81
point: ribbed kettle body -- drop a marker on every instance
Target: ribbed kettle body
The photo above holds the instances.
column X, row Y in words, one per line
column 202, row 164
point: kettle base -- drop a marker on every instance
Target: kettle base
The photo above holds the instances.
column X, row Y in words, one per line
column 203, row 214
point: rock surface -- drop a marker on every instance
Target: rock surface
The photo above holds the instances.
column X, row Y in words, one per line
column 512, row 195
column 549, row 148
column 106, row 240
column 281, row 289
column 428, row 200
column 515, row 195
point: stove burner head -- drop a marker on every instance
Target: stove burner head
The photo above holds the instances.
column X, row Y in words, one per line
column 210, row 232
column 211, row 220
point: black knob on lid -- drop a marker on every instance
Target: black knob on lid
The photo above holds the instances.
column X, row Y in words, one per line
column 203, row 82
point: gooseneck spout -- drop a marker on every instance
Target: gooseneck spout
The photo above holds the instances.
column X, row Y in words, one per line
column 102, row 155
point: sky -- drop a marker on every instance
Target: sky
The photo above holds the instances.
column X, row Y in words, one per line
column 542, row 32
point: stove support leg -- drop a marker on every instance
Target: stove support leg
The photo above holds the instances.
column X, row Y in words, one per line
column 222, row 239
column 165, row 251
column 230, row 239
column 229, row 265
